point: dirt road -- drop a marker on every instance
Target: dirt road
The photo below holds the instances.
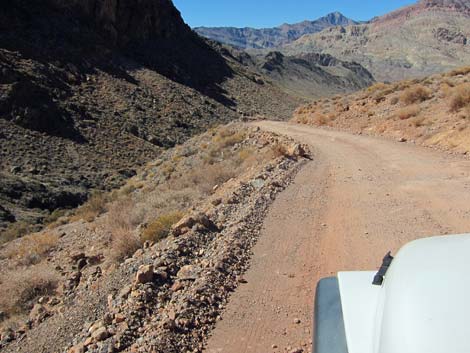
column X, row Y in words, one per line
column 357, row 199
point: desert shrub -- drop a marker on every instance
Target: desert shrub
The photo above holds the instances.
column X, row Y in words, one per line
column 460, row 71
column 204, row 179
column 394, row 100
column 123, row 214
column 160, row 227
column 54, row 216
column 408, row 112
column 20, row 289
column 418, row 122
column 15, row 230
column 379, row 86
column 302, row 119
column 244, row 154
column 460, row 97
column 32, row 248
column 320, row 119
column 121, row 221
column 95, row 206
column 124, row 243
column 228, row 136
column 279, row 150
column 415, row 94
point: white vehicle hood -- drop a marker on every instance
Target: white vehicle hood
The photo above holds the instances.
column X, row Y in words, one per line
column 422, row 307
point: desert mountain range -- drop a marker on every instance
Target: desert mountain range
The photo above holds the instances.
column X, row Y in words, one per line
column 253, row 38
column 418, row 40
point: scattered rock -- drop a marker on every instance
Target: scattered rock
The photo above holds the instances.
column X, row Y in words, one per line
column 100, row 334
column 79, row 348
column 296, row 350
column 144, row 274
column 188, row 272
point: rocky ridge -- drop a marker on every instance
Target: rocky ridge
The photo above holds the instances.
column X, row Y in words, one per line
column 269, row 38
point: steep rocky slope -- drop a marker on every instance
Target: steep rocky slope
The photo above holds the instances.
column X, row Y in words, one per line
column 266, row 38
column 154, row 265
column 434, row 111
column 91, row 90
column 314, row 75
column 419, row 40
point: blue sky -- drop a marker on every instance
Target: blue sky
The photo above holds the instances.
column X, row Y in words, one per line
column 270, row 13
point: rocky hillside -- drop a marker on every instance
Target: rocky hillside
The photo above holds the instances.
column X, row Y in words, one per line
column 429, row 37
column 265, row 38
column 149, row 267
column 434, row 111
column 314, row 75
column 91, row 90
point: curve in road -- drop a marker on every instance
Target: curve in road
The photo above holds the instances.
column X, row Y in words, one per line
column 357, row 199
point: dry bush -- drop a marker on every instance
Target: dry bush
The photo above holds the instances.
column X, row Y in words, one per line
column 228, row 136
column 54, row 216
column 32, row 249
column 302, row 119
column 15, row 230
column 122, row 220
column 279, row 150
column 123, row 214
column 20, row 289
column 415, row 94
column 394, row 100
column 160, row 227
column 95, row 206
column 460, row 97
column 320, row 119
column 402, row 85
column 123, row 245
column 204, row 179
column 418, row 122
column 379, row 86
column 461, row 71
column 408, row 112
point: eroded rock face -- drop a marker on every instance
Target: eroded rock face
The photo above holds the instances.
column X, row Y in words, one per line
column 459, row 5
column 446, row 35
column 124, row 21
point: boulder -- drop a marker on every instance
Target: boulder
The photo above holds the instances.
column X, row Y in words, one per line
column 188, row 272
column 145, row 274
column 100, row 334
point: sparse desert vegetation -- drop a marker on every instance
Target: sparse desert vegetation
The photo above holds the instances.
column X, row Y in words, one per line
column 415, row 94
column 460, row 97
column 432, row 111
column 110, row 227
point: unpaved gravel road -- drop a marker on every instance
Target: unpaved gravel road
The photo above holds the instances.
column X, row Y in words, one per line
column 357, row 199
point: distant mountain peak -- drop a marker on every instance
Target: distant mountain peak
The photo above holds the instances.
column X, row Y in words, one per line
column 337, row 18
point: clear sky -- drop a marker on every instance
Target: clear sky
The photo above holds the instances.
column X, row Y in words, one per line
column 270, row 13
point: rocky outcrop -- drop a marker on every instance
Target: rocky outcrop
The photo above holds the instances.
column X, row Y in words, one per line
column 447, row 35
column 126, row 21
